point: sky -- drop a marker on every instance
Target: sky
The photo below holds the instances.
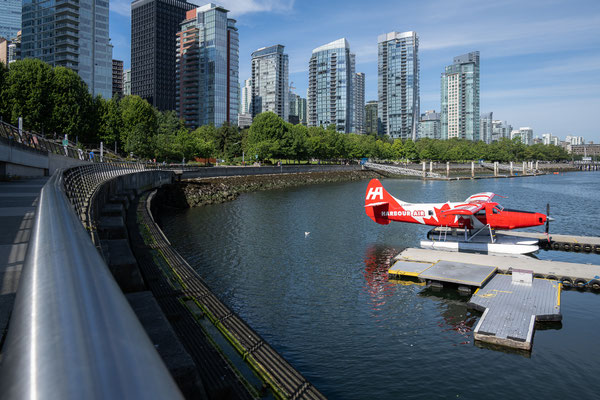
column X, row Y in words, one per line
column 540, row 59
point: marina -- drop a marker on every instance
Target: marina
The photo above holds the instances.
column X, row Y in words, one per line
column 358, row 330
column 525, row 291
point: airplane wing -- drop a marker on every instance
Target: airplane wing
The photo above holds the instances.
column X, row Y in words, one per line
column 464, row 209
column 481, row 197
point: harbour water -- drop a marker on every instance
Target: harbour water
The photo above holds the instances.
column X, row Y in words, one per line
column 307, row 269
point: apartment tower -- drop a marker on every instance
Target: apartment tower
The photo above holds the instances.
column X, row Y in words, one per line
column 207, row 68
column 460, row 98
column 330, row 86
column 398, row 84
column 270, row 90
column 72, row 34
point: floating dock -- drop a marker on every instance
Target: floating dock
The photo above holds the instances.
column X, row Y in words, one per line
column 569, row 274
column 464, row 275
column 512, row 292
column 511, row 308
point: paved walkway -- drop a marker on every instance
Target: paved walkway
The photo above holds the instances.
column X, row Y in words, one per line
column 18, row 201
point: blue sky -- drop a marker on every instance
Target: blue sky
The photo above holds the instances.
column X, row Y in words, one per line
column 540, row 59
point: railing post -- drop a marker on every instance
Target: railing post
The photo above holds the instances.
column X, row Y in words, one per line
column 447, row 169
column 424, row 170
column 472, row 169
column 511, row 169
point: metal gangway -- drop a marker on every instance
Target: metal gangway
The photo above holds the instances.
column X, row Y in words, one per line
column 502, row 167
column 396, row 170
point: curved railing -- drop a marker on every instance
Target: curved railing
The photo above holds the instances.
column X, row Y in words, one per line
column 72, row 333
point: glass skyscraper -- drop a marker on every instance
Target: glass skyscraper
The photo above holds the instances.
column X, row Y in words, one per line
column 398, row 84
column 330, row 86
column 270, row 90
column 485, row 127
column 460, row 98
column 72, row 34
column 246, row 97
column 371, row 120
column 429, row 125
column 207, row 82
column 297, row 109
column 10, row 18
column 359, row 103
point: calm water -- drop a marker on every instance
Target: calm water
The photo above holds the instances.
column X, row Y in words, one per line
column 324, row 301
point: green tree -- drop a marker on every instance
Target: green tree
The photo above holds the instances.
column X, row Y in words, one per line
column 28, row 93
column 265, row 134
column 3, row 79
column 139, row 126
column 72, row 106
column 110, row 120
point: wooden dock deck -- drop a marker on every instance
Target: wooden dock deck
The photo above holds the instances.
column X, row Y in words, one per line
column 570, row 274
column 510, row 310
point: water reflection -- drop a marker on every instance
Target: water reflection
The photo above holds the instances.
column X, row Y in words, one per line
column 378, row 260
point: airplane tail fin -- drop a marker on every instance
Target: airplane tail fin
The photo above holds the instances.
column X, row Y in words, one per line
column 377, row 202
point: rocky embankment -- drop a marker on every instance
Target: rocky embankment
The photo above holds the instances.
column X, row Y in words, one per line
column 199, row 192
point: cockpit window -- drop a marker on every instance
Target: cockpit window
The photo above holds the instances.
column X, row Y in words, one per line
column 496, row 210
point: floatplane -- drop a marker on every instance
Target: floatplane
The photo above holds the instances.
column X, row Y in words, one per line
column 476, row 219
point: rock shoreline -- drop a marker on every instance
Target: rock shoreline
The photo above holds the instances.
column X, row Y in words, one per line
column 204, row 191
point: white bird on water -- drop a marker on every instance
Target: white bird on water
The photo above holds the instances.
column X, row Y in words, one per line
column 306, row 234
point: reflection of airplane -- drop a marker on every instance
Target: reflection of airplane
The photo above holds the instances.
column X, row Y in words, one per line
column 478, row 212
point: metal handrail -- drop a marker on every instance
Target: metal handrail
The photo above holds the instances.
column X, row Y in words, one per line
column 72, row 333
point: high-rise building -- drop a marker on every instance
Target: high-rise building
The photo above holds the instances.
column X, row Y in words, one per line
column 297, row 109
column 270, row 89
column 117, row 78
column 398, row 84
column 72, row 34
column 525, row 133
column 500, row 129
column 330, row 80
column 359, row 102
column 10, row 18
column 127, row 82
column 14, row 48
column 207, row 82
column 460, row 98
column 548, row 139
column 4, row 51
column 485, row 127
column 429, row 125
column 371, row 120
column 154, row 26
column 246, row 97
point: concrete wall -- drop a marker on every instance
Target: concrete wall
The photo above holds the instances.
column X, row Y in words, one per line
column 18, row 160
column 138, row 181
column 285, row 169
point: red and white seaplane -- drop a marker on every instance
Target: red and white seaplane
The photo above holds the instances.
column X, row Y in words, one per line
column 477, row 216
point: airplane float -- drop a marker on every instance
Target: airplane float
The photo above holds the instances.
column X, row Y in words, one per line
column 477, row 216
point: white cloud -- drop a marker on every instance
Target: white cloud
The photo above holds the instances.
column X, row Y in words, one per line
column 241, row 7
column 235, row 7
column 121, row 7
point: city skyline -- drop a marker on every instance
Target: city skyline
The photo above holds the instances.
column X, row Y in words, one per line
column 539, row 70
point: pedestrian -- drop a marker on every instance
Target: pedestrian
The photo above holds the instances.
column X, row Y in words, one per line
column 92, row 156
